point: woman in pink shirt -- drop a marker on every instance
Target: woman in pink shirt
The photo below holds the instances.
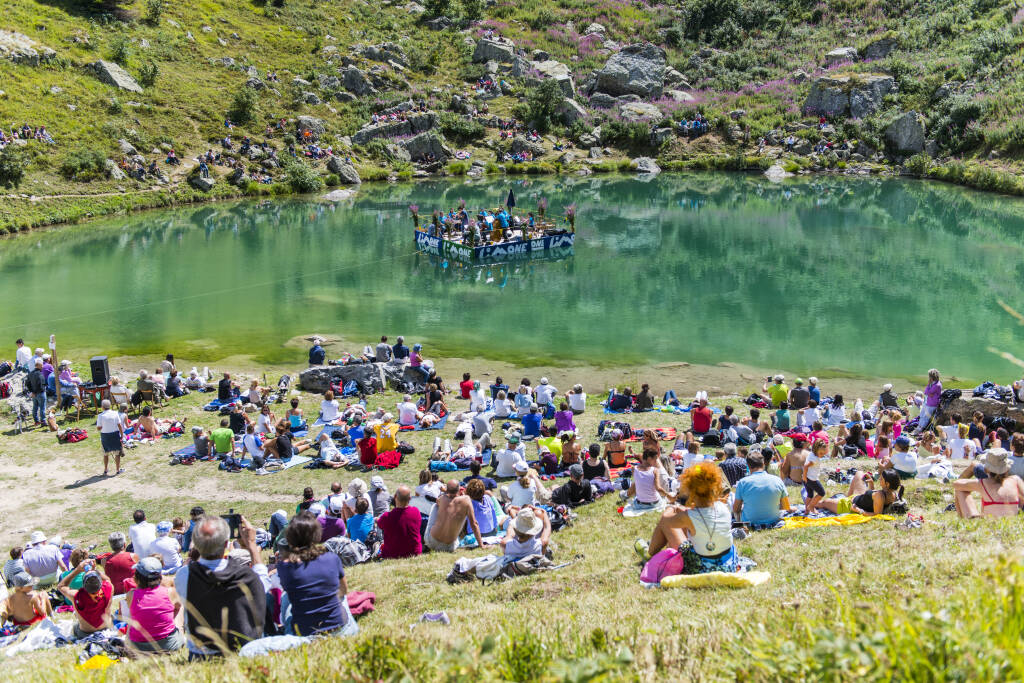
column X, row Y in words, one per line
column 155, row 612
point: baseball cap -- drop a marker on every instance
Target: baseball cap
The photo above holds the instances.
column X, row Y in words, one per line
column 148, row 567
column 377, row 483
column 22, row 579
column 576, row 470
column 164, row 528
column 317, row 509
column 522, row 468
column 903, row 442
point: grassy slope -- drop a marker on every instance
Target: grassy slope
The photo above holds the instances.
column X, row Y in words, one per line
column 589, row 618
column 940, row 41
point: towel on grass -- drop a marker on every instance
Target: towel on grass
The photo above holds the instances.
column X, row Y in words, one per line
column 716, row 579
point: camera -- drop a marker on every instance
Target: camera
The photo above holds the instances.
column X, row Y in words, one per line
column 234, row 521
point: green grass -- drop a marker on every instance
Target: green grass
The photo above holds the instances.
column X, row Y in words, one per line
column 843, row 603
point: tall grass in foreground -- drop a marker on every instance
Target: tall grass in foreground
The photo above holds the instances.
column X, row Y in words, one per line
column 973, row 635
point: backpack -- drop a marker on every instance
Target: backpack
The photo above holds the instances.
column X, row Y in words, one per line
column 712, row 438
column 406, row 448
column 71, row 435
column 525, row 566
column 666, row 562
column 350, row 552
column 5, row 389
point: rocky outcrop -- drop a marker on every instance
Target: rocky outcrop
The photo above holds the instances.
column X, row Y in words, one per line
column 426, row 145
column 493, row 49
column 645, row 165
column 966, row 405
column 416, row 123
column 555, row 70
column 309, row 123
column 368, row 376
column 603, row 101
column 639, row 111
column 112, row 74
column 571, row 111
column 841, row 54
column 881, row 48
column 344, row 170
column 905, row 135
column 385, row 52
column 20, row 49
column 356, row 82
column 854, row 95
column 201, row 183
column 521, row 144
column 637, row 69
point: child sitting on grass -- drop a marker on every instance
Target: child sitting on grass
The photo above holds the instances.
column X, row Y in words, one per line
column 812, row 476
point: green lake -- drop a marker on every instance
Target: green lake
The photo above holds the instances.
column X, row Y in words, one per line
column 876, row 277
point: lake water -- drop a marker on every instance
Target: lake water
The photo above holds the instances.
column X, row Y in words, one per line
column 870, row 276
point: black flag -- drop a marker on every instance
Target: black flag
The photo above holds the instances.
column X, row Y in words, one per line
column 511, row 201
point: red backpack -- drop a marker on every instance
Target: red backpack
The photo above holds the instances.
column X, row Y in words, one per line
column 5, row 389
column 388, row 460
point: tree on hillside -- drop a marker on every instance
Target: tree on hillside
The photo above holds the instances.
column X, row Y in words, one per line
column 543, row 103
column 12, row 166
column 437, row 8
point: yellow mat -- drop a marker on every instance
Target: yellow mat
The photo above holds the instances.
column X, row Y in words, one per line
column 839, row 520
column 713, row 579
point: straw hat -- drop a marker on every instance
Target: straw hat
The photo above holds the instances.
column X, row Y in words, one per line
column 527, row 523
column 997, row 460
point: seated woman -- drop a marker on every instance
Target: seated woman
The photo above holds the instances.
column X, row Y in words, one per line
column 119, row 393
column 705, row 522
column 486, row 509
column 571, row 449
column 862, row 499
column 594, row 468
column 255, row 394
column 523, row 401
column 527, row 535
column 647, row 490
column 563, row 418
column 615, row 450
column 284, row 445
column 154, row 609
column 314, row 580
column 328, row 408
column 1001, row 492
column 295, row 421
column 623, row 401
column 194, row 382
column 265, row 421
column 650, row 441
column 502, row 407
column 174, row 386
column 525, row 490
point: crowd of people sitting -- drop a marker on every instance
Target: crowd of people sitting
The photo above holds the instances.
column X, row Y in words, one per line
column 695, row 127
column 26, row 132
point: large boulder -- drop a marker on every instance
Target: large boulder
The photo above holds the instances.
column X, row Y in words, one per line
column 356, row 82
column 572, row 111
column 639, row 111
column 493, row 49
column 906, row 134
column 841, row 54
column 309, row 123
column 855, row 95
column 20, row 49
column 880, row 48
column 425, row 145
column 201, row 183
column 385, row 52
column 603, row 101
column 112, row 74
column 413, row 124
column 368, row 376
column 637, row 69
column 645, row 165
column 344, row 170
column 554, row 69
column 521, row 144
column 967, row 404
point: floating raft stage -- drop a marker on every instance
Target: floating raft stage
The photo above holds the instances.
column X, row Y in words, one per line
column 547, row 246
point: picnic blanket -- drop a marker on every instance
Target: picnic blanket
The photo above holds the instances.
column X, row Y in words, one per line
column 419, row 428
column 293, row 462
column 663, row 433
column 716, row 580
column 847, row 519
column 217, row 404
column 187, row 451
column 634, row 509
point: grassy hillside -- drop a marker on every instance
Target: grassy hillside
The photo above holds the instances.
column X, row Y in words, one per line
column 957, row 63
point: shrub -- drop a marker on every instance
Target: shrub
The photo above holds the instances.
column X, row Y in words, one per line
column 13, row 161
column 332, row 180
column 244, row 105
column 302, row 178
column 84, row 164
column 918, row 165
column 543, row 103
column 460, row 129
column 154, row 8
column 622, row 134
column 472, row 10
column 148, row 73
column 458, row 168
column 437, row 8
column 541, row 19
column 955, row 123
column 120, row 50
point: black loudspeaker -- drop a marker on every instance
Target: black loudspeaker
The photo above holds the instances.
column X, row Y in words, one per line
column 100, row 370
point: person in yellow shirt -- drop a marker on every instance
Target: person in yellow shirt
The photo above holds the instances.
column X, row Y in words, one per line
column 387, row 434
column 776, row 392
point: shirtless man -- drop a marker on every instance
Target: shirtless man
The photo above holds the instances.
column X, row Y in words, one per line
column 25, row 605
column 792, row 468
column 448, row 519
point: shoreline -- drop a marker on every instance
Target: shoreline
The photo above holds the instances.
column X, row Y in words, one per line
column 84, row 209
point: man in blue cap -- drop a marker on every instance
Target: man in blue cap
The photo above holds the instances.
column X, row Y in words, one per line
column 92, row 602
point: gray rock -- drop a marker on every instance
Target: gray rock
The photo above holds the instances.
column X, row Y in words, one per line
column 237, row 177
column 540, row 55
column 189, row 37
column 881, row 48
column 595, row 28
column 343, row 96
column 802, row 147
column 329, row 82
column 521, row 144
column 301, row 82
column 144, row 44
column 798, row 76
column 415, row 123
column 114, row 171
column 660, row 136
column 680, row 96
column 385, row 52
column 235, row 36
column 20, row 49
column 345, row 171
column 931, row 148
column 415, row 8
column 572, row 111
column 645, row 165
column 126, row 147
column 639, row 111
column 967, row 405
column 356, row 82
column 339, row 195
column 222, row 42
column 428, row 143
column 439, row 23
column 255, row 84
column 595, row 152
column 368, row 376
column 603, row 101
column 855, row 95
column 673, row 77
column 112, row 74
column 226, row 61
column 638, row 69
column 496, row 49
column 270, row 164
column 251, row 71
column 841, row 54
column 206, row 29
column 201, row 183
column 314, row 125
column 906, row 134
column 310, row 98
column 567, row 158
column 588, row 140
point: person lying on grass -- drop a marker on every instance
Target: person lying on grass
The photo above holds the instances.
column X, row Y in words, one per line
column 860, row 498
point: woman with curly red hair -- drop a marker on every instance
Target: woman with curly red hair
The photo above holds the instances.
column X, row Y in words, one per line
column 703, row 527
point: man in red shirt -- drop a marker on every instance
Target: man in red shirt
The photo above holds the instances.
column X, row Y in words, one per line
column 119, row 564
column 466, row 385
column 367, row 448
column 400, row 527
column 92, row 601
column 701, row 416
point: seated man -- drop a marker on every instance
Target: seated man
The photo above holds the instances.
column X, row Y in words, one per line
column 760, row 496
column 224, row 440
column 92, row 602
column 576, row 491
column 407, row 413
column 531, row 422
column 400, row 528
column 527, row 535
column 447, row 518
column 623, row 401
column 25, row 606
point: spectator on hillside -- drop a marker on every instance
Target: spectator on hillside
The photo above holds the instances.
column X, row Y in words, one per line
column 400, row 527
column 118, row 565
column 92, row 602
column 43, row 560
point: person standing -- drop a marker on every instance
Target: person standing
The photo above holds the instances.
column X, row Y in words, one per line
column 111, row 436
column 36, row 385
column 932, row 397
